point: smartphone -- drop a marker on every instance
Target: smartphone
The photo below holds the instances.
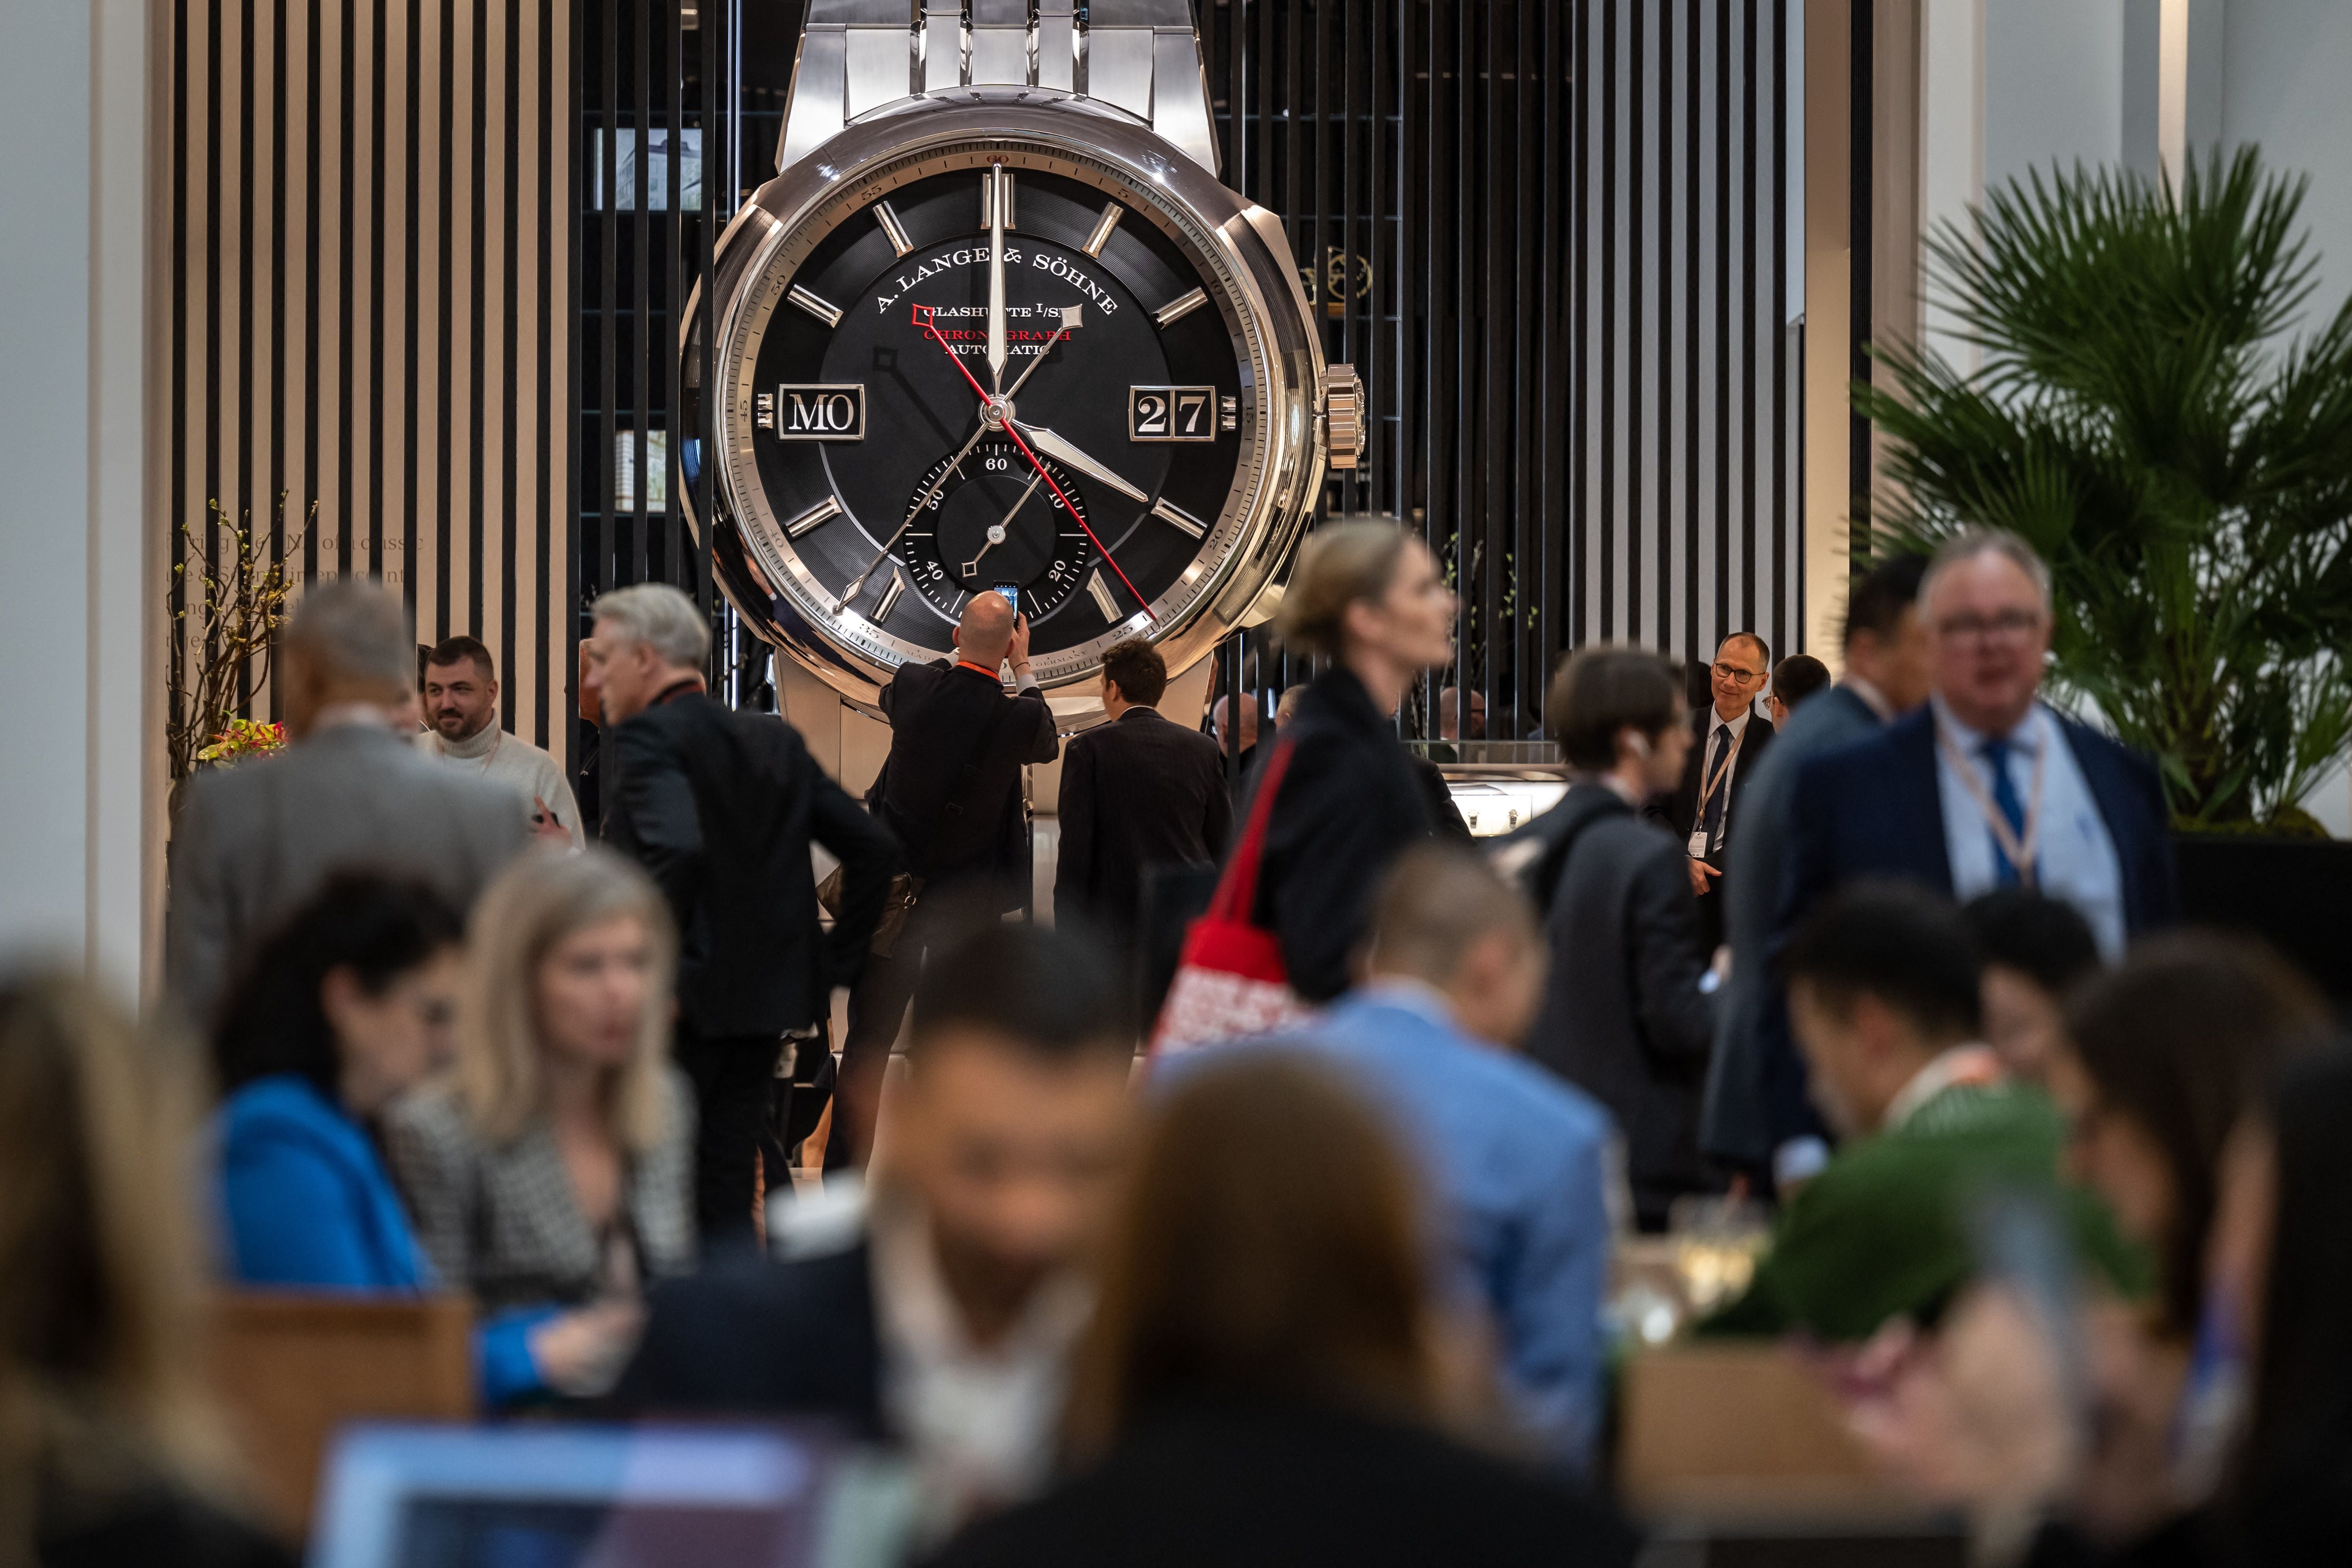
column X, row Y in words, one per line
column 1012, row 591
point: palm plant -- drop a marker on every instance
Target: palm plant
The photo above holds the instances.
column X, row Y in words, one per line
column 2186, row 473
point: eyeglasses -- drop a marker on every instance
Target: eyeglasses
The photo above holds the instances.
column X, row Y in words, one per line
column 1736, row 676
column 2008, row 625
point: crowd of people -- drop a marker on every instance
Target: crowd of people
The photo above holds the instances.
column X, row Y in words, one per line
column 2059, row 1187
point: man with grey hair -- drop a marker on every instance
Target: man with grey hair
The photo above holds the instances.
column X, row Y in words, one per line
column 257, row 840
column 1986, row 786
column 721, row 808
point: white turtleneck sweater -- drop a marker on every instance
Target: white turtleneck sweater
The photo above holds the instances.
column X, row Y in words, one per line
column 515, row 763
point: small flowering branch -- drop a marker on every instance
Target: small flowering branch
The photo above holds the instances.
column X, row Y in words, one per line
column 231, row 596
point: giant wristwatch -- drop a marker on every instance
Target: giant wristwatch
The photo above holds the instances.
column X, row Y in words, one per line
column 995, row 325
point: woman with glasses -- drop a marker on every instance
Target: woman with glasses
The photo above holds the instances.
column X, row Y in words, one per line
column 348, row 1005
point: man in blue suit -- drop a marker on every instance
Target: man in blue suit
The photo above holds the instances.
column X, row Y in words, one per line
column 1755, row 1117
column 1451, row 979
column 1987, row 786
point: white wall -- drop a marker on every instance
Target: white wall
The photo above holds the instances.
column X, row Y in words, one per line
column 2286, row 73
column 74, row 565
column 2054, row 85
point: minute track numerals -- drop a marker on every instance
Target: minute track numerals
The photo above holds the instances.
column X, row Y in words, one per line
column 993, row 521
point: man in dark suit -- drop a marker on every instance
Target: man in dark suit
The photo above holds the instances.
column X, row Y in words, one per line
column 1755, row 1104
column 952, row 792
column 1137, row 791
column 941, row 1311
column 1624, row 1017
column 1728, row 738
column 1986, row 786
column 721, row 808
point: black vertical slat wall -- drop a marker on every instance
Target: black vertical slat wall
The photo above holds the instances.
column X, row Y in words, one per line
column 680, row 105
column 1550, row 234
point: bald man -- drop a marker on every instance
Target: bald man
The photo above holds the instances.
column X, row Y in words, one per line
column 952, row 792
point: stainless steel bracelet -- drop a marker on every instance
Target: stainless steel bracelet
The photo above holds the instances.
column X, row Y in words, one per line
column 1139, row 55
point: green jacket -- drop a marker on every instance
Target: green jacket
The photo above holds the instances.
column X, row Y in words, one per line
column 1883, row 1230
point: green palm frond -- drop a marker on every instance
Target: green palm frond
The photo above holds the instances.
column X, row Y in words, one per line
column 2188, row 474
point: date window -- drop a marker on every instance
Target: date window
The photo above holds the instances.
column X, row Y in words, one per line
column 1171, row 414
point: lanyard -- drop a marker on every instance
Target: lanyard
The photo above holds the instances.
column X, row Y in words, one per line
column 2018, row 851
column 1706, row 791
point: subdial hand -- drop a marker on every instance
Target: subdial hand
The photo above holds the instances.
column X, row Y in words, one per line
column 914, row 512
column 997, row 532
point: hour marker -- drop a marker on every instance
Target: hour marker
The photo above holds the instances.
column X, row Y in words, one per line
column 1103, row 225
column 889, row 599
column 1101, row 591
column 892, row 228
column 1169, row 512
column 1177, row 308
column 826, row 311
column 987, row 184
column 823, row 512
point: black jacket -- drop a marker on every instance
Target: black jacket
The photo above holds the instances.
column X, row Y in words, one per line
column 1294, row 1486
column 1349, row 804
column 951, row 787
column 749, row 1336
column 1678, row 812
column 721, row 807
column 1624, row 1017
column 1140, row 792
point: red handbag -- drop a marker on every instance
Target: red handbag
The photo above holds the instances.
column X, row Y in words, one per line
column 1230, row 980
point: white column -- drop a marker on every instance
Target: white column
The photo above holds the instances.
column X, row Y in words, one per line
column 78, row 617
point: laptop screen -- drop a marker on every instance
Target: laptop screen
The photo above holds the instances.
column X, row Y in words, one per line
column 604, row 1497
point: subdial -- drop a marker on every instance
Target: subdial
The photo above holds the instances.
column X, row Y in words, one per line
column 995, row 523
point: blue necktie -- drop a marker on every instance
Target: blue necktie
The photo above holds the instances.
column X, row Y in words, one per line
column 1717, row 803
column 1995, row 752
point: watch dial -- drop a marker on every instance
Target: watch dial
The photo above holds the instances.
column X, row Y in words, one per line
column 885, row 465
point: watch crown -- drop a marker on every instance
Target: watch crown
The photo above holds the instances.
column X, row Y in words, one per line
column 1343, row 415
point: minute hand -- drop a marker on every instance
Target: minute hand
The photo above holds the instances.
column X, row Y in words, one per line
column 1061, row 451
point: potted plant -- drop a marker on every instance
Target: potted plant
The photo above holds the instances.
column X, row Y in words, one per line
column 2143, row 417
column 232, row 590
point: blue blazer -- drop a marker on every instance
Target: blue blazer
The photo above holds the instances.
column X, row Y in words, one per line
column 1520, row 1157
column 306, row 1203
column 1872, row 809
column 304, row 1198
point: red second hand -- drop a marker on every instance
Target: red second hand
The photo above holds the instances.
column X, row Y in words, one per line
column 931, row 330
column 1074, row 511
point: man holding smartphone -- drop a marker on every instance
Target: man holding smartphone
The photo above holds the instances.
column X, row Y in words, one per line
column 952, row 792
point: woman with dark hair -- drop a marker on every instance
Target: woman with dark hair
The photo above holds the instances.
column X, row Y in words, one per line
column 1369, row 596
column 2282, row 1261
column 1266, row 1379
column 348, row 1005
column 2036, row 949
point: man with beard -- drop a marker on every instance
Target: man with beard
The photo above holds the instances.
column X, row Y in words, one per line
column 461, row 704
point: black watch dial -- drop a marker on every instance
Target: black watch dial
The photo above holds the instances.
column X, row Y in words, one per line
column 992, row 368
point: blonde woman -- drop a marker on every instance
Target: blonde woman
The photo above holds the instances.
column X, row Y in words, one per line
column 104, row 1432
column 1369, row 597
column 551, row 1172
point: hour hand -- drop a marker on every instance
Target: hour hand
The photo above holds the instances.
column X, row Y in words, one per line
column 1061, row 451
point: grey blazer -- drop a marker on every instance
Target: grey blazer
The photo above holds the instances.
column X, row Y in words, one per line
column 257, row 840
column 503, row 1223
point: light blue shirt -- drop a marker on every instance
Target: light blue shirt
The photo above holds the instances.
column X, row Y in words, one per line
column 1520, row 1158
column 2074, row 859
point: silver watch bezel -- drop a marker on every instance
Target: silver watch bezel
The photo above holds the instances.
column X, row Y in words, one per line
column 1259, row 280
